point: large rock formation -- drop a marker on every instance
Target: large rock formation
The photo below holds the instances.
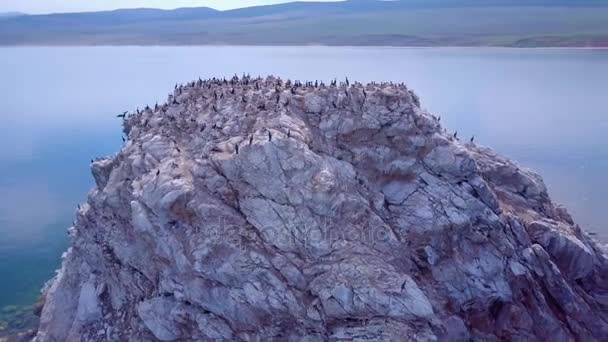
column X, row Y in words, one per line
column 256, row 210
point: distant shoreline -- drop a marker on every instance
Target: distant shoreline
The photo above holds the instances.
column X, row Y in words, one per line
column 312, row 46
column 572, row 24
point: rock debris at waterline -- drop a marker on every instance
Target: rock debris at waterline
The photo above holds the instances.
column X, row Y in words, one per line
column 183, row 238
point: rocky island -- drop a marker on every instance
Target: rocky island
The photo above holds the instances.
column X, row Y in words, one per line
column 260, row 209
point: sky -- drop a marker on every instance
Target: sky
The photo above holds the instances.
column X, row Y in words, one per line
column 55, row 6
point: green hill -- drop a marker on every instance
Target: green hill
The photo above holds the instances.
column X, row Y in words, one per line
column 355, row 22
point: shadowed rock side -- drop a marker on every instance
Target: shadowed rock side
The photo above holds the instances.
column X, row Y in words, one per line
column 257, row 209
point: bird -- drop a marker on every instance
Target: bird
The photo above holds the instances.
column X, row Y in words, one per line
column 236, row 148
column 92, row 161
column 178, row 150
column 347, row 82
column 269, row 136
column 158, row 172
column 472, row 139
column 251, row 140
column 456, row 135
column 289, row 133
column 122, row 115
column 364, row 93
column 214, row 109
column 204, row 126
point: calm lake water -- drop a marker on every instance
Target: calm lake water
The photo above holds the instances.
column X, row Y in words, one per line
column 545, row 108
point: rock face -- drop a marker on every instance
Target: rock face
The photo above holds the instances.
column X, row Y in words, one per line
column 257, row 210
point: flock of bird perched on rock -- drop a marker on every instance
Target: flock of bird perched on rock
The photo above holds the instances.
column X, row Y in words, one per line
column 249, row 82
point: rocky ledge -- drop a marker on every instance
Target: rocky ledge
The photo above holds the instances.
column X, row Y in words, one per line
column 261, row 209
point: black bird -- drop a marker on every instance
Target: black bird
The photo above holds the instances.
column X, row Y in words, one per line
column 178, row 150
column 244, row 99
column 347, row 83
column 156, row 106
column 214, row 109
column 250, row 140
column 333, row 103
column 123, row 115
column 158, row 172
column 456, row 135
column 123, row 139
column 293, row 91
column 472, row 139
column 269, row 136
column 364, row 93
column 214, row 126
column 92, row 161
column 236, row 148
column 232, row 91
column 288, row 133
column 203, row 128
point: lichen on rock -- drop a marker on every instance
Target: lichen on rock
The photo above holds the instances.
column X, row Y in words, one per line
column 260, row 209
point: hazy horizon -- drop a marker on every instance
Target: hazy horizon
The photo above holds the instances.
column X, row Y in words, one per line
column 65, row 6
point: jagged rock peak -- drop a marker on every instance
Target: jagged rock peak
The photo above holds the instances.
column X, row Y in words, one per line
column 261, row 209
